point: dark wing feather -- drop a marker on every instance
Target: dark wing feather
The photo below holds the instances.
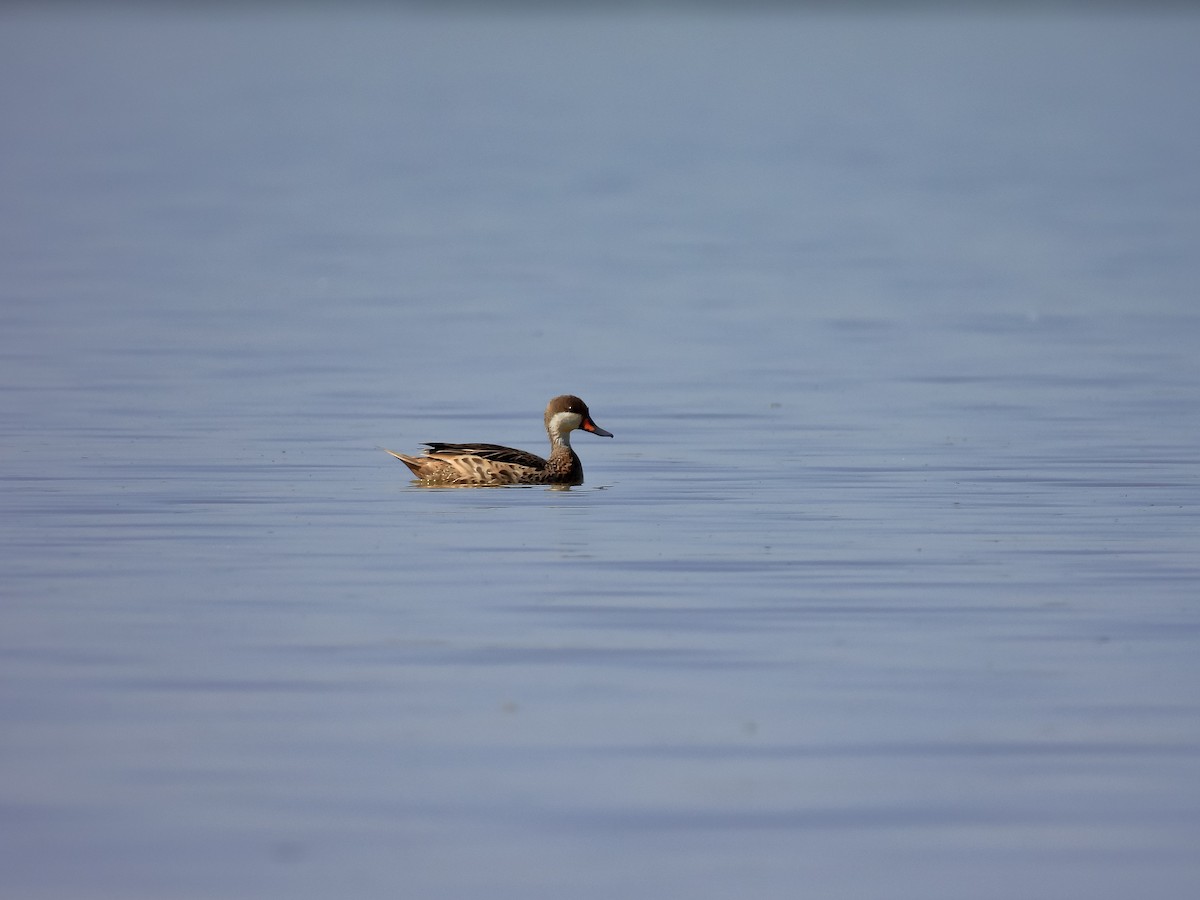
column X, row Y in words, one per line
column 493, row 452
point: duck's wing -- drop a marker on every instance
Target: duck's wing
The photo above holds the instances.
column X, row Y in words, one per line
column 491, row 452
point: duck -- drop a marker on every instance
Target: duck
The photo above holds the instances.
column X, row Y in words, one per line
column 492, row 464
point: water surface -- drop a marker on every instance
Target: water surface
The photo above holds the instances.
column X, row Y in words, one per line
column 886, row 585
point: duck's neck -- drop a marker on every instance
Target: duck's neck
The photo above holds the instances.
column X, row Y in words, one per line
column 559, row 427
column 559, row 440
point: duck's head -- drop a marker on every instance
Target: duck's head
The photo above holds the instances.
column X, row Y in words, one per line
column 566, row 413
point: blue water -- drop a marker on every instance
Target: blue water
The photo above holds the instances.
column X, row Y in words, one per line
column 887, row 585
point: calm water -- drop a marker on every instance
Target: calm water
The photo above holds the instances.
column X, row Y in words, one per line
column 888, row 586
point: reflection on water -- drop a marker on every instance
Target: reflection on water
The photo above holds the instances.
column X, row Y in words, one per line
column 895, row 558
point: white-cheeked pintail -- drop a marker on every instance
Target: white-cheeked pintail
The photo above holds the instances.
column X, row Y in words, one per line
column 491, row 464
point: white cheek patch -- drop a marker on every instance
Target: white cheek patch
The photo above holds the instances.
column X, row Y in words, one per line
column 562, row 423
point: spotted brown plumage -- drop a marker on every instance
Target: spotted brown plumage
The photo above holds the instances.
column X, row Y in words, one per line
column 492, row 464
